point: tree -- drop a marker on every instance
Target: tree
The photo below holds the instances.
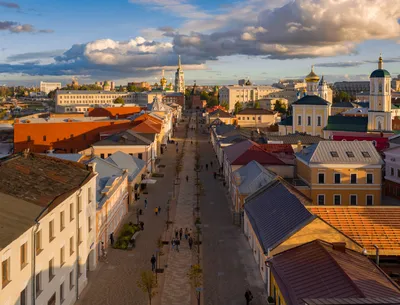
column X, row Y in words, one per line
column 280, row 107
column 119, row 100
column 148, row 284
column 225, row 105
column 52, row 94
column 204, row 96
column 195, row 275
column 238, row 107
column 212, row 101
column 342, row 96
column 257, row 104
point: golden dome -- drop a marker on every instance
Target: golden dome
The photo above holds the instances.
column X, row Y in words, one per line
column 312, row 77
column 163, row 81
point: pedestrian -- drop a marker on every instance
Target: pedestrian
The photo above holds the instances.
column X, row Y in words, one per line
column 140, row 212
column 177, row 149
column 215, row 175
column 190, row 242
column 159, row 209
column 145, row 203
column 142, row 225
column 187, row 178
column 177, row 243
column 155, row 210
column 176, row 233
column 186, row 233
column 180, row 234
column 112, row 238
column 173, row 243
column 249, row 296
column 153, row 263
column 190, row 232
column 211, row 164
column 207, row 166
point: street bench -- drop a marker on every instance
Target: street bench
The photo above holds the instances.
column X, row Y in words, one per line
column 132, row 242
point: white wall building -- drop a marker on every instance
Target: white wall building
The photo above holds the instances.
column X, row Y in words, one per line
column 48, row 87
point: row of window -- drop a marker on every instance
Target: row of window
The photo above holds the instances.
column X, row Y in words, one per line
column 309, row 120
column 140, row 155
column 392, row 172
column 338, row 178
column 72, row 97
column 248, row 118
column 337, row 199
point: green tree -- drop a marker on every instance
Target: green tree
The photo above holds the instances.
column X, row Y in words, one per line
column 195, row 275
column 238, row 107
column 212, row 101
column 119, row 100
column 342, row 96
column 257, row 104
column 132, row 88
column 225, row 105
column 280, row 107
column 52, row 94
column 148, row 283
column 204, row 96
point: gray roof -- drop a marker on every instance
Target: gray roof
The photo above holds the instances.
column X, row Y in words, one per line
column 311, row 100
column 275, row 213
column 252, row 177
column 341, row 152
column 68, row 157
column 122, row 160
column 91, row 92
column 128, row 138
column 344, row 105
column 223, row 128
column 353, row 301
column 233, row 139
column 294, row 138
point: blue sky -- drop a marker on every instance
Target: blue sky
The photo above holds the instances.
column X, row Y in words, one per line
column 220, row 41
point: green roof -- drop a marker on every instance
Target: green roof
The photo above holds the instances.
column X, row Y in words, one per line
column 380, row 73
column 347, row 123
column 311, row 100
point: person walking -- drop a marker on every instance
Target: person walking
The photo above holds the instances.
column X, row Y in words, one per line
column 177, row 243
column 153, row 261
column 155, row 210
column 211, row 164
column 112, row 239
column 159, row 209
column 186, row 233
column 173, row 243
column 215, row 175
column 145, row 203
column 142, row 225
column 187, row 178
column 190, row 241
column 180, row 234
column 206, row 166
column 249, row 296
column 176, row 233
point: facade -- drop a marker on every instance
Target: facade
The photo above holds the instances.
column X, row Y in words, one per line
column 256, row 117
column 341, row 173
column 269, row 103
column 179, row 78
column 174, row 97
column 352, row 87
column 141, row 85
column 106, row 85
column 48, row 229
column 48, row 87
column 113, row 112
column 392, row 172
column 342, row 107
column 244, row 94
column 221, row 115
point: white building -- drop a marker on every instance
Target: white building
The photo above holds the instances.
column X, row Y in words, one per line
column 48, row 87
column 47, row 241
column 179, row 78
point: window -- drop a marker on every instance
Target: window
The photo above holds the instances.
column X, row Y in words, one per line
column 62, row 293
column 353, row 199
column 89, row 224
column 299, row 120
column 24, row 255
column 79, row 199
column 321, row 199
column 309, row 121
column 398, row 173
column 89, row 195
column 62, row 255
column 5, row 272
column 38, row 241
column 140, row 156
column 318, row 121
column 391, row 171
column 51, row 269
column 370, row 179
column 132, row 154
column 71, row 245
column 353, row 178
column 71, row 280
column 71, row 211
column 350, row 154
column 84, row 136
column 28, row 138
column 321, row 178
column 334, row 154
column 102, row 156
column 62, row 220
column 52, row 300
column 337, row 200
column 365, row 154
column 44, row 138
column 22, row 297
column 370, row 199
column 51, row 230
column 337, row 178
column 80, row 240
column 259, row 118
column 38, row 285
column 248, row 118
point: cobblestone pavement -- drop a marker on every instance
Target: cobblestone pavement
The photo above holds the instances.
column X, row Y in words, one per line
column 114, row 283
column 229, row 266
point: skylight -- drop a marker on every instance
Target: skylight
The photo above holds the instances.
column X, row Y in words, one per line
column 365, row 154
column 350, row 154
column 334, row 154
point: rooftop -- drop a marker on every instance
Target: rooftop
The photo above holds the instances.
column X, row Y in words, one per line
column 64, row 120
column 368, row 226
column 220, row 113
column 294, row 138
column 341, row 152
column 93, row 92
column 127, row 137
column 344, row 105
column 311, row 100
column 147, row 126
column 347, row 123
column 122, row 160
column 322, row 270
column 256, row 111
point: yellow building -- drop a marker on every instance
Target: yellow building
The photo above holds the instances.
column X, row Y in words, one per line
column 256, row 117
column 341, row 173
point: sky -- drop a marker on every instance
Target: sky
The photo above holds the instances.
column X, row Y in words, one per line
column 219, row 41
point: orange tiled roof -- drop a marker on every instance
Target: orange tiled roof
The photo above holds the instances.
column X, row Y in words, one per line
column 368, row 226
column 145, row 117
column 113, row 111
column 147, row 126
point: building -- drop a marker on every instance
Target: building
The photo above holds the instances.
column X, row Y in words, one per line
column 48, row 87
column 379, row 141
column 107, row 85
column 341, row 107
column 244, row 94
column 47, row 243
column 341, row 173
column 328, row 273
column 256, row 117
column 269, row 103
column 140, row 85
column 179, row 78
column 114, row 112
column 82, row 100
column 174, row 97
column 392, row 172
column 352, row 87
column 222, row 115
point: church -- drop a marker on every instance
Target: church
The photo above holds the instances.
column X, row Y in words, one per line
column 311, row 113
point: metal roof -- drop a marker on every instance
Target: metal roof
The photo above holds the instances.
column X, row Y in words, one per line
column 127, row 137
column 341, row 152
column 353, row 301
column 311, row 100
column 347, row 123
column 124, row 161
column 294, row 138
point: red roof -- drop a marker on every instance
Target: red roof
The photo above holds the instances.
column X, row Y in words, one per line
column 147, row 127
column 322, row 270
column 278, row 148
column 145, row 117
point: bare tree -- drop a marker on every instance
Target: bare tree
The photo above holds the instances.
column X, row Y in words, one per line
column 148, row 284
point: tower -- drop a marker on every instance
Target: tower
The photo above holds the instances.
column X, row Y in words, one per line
column 323, row 89
column 312, row 80
column 379, row 112
column 163, row 81
column 179, row 78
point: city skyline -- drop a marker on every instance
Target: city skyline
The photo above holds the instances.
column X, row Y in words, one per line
column 218, row 42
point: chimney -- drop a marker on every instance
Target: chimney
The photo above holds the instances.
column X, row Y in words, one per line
column 26, row 153
column 92, row 167
column 377, row 254
column 299, row 146
column 339, row 246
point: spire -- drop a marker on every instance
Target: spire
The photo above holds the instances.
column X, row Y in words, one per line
column 179, row 61
column 312, row 68
column 162, row 73
column 380, row 62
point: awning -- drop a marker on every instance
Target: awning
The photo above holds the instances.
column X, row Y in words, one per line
column 148, row 181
